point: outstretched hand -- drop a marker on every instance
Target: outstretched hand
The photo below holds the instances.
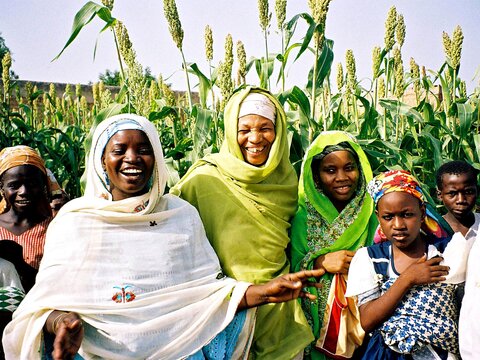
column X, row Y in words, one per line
column 68, row 337
column 281, row 289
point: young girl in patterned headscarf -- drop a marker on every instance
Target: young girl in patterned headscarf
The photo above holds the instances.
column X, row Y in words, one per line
column 405, row 290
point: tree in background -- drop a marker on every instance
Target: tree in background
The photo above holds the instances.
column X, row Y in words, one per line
column 114, row 78
column 3, row 50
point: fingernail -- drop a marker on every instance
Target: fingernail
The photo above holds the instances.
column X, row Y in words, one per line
column 298, row 283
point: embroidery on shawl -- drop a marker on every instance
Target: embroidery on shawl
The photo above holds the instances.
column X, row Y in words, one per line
column 141, row 207
column 123, row 296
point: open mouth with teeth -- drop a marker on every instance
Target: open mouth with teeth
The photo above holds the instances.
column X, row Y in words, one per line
column 255, row 150
column 343, row 189
column 131, row 171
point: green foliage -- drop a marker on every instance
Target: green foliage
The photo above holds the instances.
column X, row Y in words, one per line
column 440, row 122
column 111, row 77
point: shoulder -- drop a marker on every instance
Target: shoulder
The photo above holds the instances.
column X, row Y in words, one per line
column 182, row 207
column 361, row 275
column 379, row 251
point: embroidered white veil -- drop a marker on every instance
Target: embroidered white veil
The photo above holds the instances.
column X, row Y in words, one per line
column 140, row 272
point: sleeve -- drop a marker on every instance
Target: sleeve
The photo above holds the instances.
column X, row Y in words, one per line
column 455, row 256
column 9, row 276
column 362, row 279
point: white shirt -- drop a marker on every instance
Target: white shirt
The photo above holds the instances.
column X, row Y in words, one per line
column 469, row 325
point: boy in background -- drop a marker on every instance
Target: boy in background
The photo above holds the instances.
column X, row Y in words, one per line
column 457, row 189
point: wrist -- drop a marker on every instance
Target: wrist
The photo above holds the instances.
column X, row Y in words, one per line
column 406, row 280
column 255, row 296
column 54, row 320
column 318, row 263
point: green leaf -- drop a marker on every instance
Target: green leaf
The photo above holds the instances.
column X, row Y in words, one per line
column 203, row 83
column 465, row 116
column 84, row 16
column 437, row 148
column 203, row 120
column 164, row 112
column 283, row 58
column 476, row 141
column 397, row 107
column 298, row 97
column 312, row 27
column 324, row 64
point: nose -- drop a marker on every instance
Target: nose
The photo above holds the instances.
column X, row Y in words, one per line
column 22, row 190
column 341, row 175
column 398, row 223
column 461, row 197
column 131, row 156
column 254, row 136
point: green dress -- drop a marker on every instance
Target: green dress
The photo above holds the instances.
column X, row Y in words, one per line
column 318, row 228
column 246, row 212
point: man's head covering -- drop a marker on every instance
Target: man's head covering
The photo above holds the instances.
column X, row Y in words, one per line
column 258, row 104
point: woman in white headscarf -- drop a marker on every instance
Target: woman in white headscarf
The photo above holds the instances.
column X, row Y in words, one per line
column 128, row 272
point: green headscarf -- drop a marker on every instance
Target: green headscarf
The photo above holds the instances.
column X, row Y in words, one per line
column 318, row 228
column 246, row 211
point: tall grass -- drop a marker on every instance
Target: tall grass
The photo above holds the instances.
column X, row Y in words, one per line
column 413, row 118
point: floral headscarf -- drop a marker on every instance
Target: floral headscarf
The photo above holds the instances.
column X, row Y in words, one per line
column 400, row 180
column 394, row 180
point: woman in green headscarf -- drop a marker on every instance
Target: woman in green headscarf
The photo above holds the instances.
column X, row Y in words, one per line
column 335, row 217
column 246, row 195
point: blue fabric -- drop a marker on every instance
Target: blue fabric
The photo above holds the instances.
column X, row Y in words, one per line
column 223, row 345
column 426, row 315
column 377, row 350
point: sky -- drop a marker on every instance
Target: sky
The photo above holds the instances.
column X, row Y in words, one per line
column 36, row 31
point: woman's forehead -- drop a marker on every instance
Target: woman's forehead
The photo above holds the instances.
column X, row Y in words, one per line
column 129, row 136
column 22, row 171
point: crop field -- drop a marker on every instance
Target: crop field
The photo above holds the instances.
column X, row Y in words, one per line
column 404, row 115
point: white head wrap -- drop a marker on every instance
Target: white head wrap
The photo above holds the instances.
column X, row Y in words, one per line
column 96, row 182
column 257, row 104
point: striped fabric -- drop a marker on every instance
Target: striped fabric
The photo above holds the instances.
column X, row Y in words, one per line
column 32, row 241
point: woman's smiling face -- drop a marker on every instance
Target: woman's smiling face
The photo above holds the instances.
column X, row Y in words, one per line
column 339, row 175
column 255, row 137
column 128, row 160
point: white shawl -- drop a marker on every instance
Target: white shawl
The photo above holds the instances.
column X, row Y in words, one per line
column 149, row 252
